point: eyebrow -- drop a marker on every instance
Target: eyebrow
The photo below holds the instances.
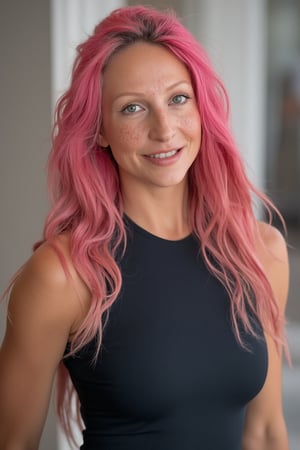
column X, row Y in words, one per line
column 141, row 94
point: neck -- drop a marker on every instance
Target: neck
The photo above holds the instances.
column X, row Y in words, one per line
column 161, row 211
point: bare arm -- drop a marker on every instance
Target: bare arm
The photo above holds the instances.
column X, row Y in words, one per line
column 265, row 427
column 43, row 309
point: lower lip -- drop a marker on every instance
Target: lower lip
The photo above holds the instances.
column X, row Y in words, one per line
column 164, row 161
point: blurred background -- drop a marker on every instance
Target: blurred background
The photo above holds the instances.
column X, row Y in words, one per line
column 254, row 46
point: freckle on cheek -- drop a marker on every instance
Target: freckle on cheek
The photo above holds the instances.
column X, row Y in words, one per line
column 129, row 135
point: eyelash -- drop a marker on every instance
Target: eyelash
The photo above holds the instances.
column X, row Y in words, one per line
column 184, row 96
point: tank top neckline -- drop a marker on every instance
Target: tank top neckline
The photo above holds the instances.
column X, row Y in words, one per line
column 142, row 231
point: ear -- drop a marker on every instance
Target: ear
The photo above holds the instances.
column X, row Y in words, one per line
column 102, row 141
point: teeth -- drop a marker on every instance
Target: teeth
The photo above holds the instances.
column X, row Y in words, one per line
column 164, row 155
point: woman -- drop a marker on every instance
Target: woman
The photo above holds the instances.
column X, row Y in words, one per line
column 154, row 288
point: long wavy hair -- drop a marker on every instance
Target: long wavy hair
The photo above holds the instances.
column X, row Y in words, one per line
column 86, row 197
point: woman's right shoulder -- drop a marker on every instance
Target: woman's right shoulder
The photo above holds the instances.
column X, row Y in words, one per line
column 48, row 282
column 51, row 262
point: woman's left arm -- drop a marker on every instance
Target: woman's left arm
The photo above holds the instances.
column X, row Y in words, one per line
column 265, row 427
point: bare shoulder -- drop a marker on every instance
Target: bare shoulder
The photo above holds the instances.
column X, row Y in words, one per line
column 52, row 262
column 272, row 253
column 49, row 285
column 272, row 239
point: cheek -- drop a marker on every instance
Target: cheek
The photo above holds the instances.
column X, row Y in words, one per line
column 125, row 141
column 192, row 127
column 129, row 136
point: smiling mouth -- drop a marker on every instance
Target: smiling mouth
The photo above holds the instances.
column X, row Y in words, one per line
column 163, row 155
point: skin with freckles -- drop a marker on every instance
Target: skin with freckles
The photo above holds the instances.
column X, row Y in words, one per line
column 150, row 119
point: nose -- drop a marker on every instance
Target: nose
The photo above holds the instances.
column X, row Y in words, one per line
column 162, row 126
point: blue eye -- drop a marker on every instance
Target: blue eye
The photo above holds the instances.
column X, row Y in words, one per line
column 179, row 99
column 132, row 108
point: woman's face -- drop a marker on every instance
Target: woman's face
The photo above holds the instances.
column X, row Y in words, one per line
column 150, row 117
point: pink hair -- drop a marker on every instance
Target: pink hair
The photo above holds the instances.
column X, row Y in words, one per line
column 86, row 198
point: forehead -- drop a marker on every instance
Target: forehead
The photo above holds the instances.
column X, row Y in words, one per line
column 143, row 65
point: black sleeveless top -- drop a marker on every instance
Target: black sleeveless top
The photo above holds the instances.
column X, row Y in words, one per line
column 170, row 375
